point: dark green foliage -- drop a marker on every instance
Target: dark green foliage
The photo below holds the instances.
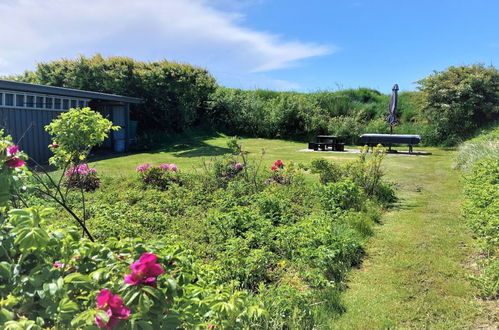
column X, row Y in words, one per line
column 174, row 94
column 479, row 161
column 88, row 182
column 328, row 171
column 341, row 196
column 295, row 115
column 481, row 208
column 459, row 100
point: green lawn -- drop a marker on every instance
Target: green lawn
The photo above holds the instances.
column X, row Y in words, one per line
column 187, row 153
column 414, row 274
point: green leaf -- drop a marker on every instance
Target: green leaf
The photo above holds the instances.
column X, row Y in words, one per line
column 5, row 315
column 77, row 278
column 68, row 306
column 5, row 271
column 32, row 238
column 145, row 303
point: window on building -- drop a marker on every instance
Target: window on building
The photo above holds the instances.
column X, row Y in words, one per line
column 9, row 99
column 1, row 98
column 73, row 103
column 57, row 104
column 81, row 104
column 19, row 100
column 30, row 101
column 49, row 102
column 65, row 104
column 39, row 101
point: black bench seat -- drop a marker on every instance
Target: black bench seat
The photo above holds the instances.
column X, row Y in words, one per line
column 389, row 139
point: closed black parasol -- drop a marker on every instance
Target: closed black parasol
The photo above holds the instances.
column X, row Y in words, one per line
column 392, row 108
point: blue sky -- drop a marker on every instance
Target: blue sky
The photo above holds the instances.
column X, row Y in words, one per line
column 270, row 44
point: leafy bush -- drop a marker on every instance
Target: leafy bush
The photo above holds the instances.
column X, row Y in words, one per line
column 56, row 279
column 342, row 195
column 82, row 177
column 160, row 177
column 328, row 171
column 12, row 169
column 74, row 133
column 459, row 100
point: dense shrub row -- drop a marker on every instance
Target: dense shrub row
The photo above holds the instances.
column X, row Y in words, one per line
column 347, row 113
column 174, row 94
column 479, row 160
column 450, row 106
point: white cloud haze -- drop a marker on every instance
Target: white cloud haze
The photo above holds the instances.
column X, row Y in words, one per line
column 186, row 31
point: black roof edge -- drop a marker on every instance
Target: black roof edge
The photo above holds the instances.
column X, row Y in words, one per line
column 68, row 92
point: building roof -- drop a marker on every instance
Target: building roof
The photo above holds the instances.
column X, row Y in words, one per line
column 68, row 92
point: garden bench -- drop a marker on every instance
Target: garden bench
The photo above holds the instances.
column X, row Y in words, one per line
column 388, row 139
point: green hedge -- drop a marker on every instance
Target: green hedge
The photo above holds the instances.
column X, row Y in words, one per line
column 175, row 94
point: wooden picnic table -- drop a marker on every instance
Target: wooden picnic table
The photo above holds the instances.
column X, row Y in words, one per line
column 325, row 142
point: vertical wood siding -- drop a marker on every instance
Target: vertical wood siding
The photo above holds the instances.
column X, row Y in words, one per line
column 26, row 126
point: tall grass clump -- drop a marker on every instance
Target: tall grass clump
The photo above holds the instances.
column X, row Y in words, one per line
column 484, row 145
column 479, row 161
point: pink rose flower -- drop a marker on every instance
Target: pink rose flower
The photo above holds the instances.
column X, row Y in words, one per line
column 173, row 167
column 239, row 166
column 145, row 271
column 273, row 168
column 12, row 150
column 143, row 167
column 54, row 146
column 113, row 306
column 165, row 166
column 14, row 162
column 58, row 265
column 279, row 163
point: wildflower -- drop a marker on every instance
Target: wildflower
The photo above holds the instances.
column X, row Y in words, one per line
column 279, row 163
column 143, row 167
column 165, row 166
column 173, row 167
column 113, row 306
column 273, row 168
column 12, row 150
column 144, row 271
column 14, row 162
column 54, row 146
column 239, row 166
column 58, row 265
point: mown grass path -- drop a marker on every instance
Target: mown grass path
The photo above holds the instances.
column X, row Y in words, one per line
column 414, row 274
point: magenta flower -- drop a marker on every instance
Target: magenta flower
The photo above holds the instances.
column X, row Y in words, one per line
column 239, row 166
column 113, row 306
column 173, row 167
column 54, row 146
column 12, row 150
column 273, row 168
column 143, row 167
column 145, row 270
column 14, row 162
column 165, row 166
column 82, row 169
column 58, row 265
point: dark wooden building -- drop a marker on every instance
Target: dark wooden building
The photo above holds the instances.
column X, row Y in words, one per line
column 25, row 109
